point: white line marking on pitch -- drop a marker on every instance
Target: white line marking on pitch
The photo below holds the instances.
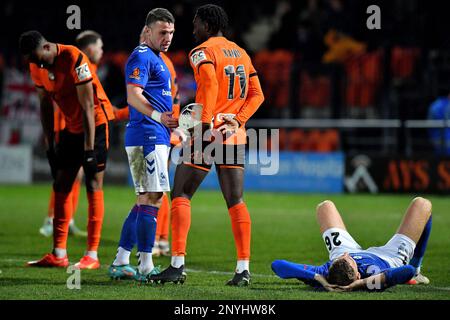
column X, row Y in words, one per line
column 103, row 266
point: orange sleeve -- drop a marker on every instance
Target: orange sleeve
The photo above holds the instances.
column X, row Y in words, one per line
column 81, row 69
column 35, row 76
column 255, row 98
column 122, row 113
column 203, row 64
column 207, row 90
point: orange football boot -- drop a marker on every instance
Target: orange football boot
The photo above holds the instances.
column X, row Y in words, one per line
column 49, row 261
column 88, row 263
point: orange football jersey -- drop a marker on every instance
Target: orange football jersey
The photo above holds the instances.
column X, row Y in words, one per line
column 71, row 68
column 233, row 69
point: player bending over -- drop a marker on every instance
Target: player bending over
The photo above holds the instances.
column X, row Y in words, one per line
column 377, row 268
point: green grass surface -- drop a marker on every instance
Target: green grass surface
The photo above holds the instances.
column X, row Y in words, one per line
column 284, row 227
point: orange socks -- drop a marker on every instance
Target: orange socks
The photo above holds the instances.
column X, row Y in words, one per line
column 162, row 227
column 95, row 221
column 63, row 213
column 75, row 195
column 181, row 222
column 241, row 225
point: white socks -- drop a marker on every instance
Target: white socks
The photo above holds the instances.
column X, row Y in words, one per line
column 242, row 265
column 92, row 254
column 60, row 253
column 177, row 261
column 145, row 262
column 122, row 257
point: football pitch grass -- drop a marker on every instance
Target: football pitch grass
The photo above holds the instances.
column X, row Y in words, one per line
column 283, row 227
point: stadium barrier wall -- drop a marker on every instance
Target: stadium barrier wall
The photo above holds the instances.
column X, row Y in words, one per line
column 397, row 174
column 297, row 172
column 16, row 164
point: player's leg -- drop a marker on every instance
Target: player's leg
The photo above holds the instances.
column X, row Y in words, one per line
column 334, row 233
column 149, row 202
column 76, row 187
column 121, row 268
column 147, row 214
column 231, row 183
column 401, row 248
column 416, row 225
column 415, row 219
column 95, row 196
column 328, row 216
column 186, row 182
column 47, row 228
column 69, row 155
column 162, row 246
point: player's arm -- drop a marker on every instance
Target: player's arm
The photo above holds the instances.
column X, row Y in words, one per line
column 135, row 97
column 311, row 275
column 47, row 119
column 383, row 280
column 255, row 98
column 207, row 91
column 85, row 94
column 121, row 114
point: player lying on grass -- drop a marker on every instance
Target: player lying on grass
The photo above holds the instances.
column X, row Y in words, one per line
column 377, row 268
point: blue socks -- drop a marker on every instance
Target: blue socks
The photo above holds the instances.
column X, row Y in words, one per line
column 146, row 227
column 128, row 236
column 421, row 246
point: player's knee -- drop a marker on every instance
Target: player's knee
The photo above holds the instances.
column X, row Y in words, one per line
column 424, row 203
column 62, row 187
column 324, row 207
column 233, row 201
column 151, row 199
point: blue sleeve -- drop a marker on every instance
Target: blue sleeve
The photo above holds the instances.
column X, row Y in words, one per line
column 137, row 69
column 288, row 270
column 398, row 275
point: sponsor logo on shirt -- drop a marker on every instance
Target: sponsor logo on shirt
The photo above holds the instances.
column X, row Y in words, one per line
column 83, row 72
column 166, row 93
column 197, row 57
column 136, row 74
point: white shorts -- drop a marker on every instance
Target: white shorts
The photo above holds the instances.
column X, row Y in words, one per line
column 148, row 168
column 397, row 252
column 338, row 241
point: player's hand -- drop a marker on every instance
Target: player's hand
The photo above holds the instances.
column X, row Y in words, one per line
column 180, row 134
column 230, row 125
column 90, row 163
column 52, row 161
column 168, row 120
column 351, row 287
column 327, row 286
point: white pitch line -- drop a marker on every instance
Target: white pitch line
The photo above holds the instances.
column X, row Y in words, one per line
column 103, row 266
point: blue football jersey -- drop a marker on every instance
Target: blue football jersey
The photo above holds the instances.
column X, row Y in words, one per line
column 146, row 69
column 369, row 264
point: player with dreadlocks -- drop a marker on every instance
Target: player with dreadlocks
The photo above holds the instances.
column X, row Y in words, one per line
column 230, row 93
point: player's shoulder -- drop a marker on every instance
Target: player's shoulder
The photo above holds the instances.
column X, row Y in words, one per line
column 142, row 53
column 69, row 51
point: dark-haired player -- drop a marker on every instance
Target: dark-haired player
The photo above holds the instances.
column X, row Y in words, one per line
column 147, row 143
column 90, row 43
column 377, row 268
column 229, row 91
column 62, row 74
